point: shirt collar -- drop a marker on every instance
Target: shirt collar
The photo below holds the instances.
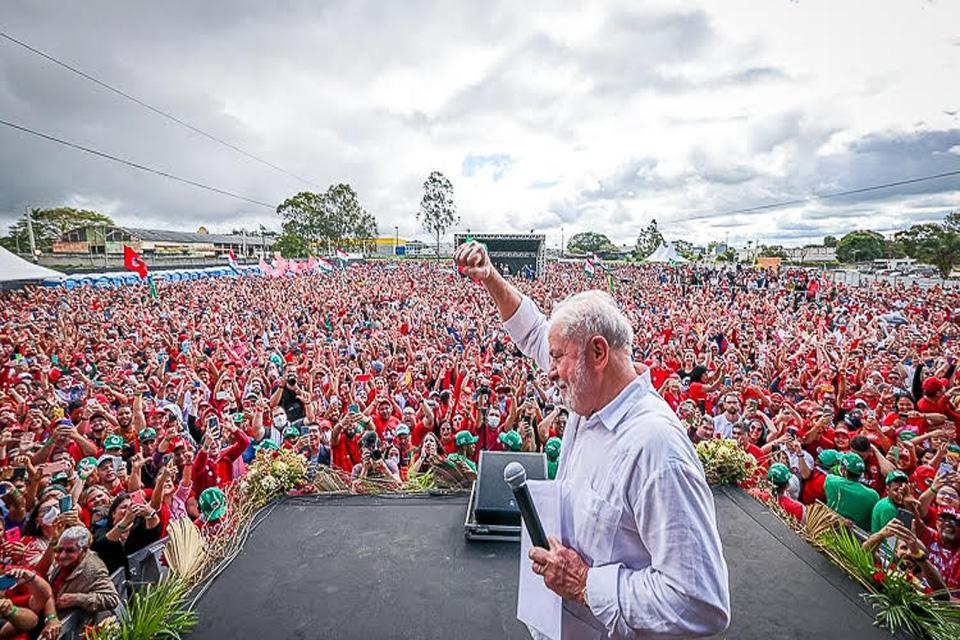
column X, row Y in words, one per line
column 611, row 415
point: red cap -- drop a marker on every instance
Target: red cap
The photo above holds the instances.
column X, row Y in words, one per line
column 176, row 443
column 924, row 475
column 949, row 511
column 932, row 385
column 54, row 375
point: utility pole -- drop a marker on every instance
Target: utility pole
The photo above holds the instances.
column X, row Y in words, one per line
column 106, row 257
column 396, row 240
column 243, row 239
column 33, row 243
column 561, row 241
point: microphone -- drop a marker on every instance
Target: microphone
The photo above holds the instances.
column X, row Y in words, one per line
column 516, row 477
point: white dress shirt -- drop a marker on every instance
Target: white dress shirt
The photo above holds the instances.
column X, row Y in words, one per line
column 636, row 506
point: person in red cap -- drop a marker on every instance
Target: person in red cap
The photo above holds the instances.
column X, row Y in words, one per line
column 943, row 546
column 935, row 400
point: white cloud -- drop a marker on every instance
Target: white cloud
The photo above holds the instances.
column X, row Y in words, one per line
column 610, row 114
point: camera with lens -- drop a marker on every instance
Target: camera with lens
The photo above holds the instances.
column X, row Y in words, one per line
column 371, row 443
column 291, row 381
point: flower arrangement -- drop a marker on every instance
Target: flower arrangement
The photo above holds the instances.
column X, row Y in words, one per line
column 724, row 462
column 272, row 474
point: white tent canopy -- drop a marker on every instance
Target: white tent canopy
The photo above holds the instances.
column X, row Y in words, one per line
column 13, row 268
column 665, row 253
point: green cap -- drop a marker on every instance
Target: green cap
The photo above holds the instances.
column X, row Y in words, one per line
column 276, row 359
column 511, row 440
column 113, row 442
column 212, row 503
column 147, row 434
column 87, row 463
column 779, row 474
column 907, row 435
column 853, row 463
column 290, row 433
column 268, row 444
column 454, row 457
column 829, row 457
column 896, row 476
column 954, row 448
column 552, row 448
column 463, row 438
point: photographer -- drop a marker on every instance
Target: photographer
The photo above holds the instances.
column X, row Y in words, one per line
column 291, row 398
column 373, row 465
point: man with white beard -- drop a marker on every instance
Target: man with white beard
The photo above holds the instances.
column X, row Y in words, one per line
column 640, row 555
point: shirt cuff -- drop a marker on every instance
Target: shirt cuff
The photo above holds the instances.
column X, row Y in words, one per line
column 603, row 592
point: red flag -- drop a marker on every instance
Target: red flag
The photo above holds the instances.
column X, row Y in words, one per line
column 133, row 262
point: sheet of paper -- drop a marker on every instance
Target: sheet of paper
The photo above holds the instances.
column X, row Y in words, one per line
column 537, row 606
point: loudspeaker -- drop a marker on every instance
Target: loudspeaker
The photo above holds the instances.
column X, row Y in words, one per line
column 494, row 499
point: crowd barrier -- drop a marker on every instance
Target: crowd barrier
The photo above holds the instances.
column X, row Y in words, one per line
column 116, row 279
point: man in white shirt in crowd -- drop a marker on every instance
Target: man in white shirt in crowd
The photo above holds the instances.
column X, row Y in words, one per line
column 723, row 423
column 640, row 555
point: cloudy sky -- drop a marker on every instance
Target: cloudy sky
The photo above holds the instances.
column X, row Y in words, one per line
column 585, row 115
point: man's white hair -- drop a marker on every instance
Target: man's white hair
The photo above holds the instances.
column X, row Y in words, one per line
column 593, row 313
column 77, row 534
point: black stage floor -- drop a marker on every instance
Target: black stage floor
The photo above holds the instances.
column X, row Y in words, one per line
column 378, row 568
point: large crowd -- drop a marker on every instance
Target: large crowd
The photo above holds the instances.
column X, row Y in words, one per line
column 120, row 412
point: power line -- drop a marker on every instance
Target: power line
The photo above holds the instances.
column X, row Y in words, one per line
column 825, row 196
column 155, row 110
column 135, row 165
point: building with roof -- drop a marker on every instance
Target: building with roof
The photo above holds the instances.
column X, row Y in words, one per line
column 101, row 239
column 811, row 253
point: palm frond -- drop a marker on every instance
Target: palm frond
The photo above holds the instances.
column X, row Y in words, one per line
column 186, row 549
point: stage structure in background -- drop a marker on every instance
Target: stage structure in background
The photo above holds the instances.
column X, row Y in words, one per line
column 520, row 254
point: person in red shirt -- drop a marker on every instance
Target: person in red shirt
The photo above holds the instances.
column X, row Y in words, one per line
column 385, row 417
column 943, row 546
column 742, row 436
column 447, row 442
column 813, row 489
column 28, row 606
column 213, row 467
column 344, row 442
column 934, row 400
column 905, row 416
column 779, row 476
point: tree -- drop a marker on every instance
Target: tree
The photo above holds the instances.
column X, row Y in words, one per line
column 773, row 251
column 894, row 249
column 49, row 225
column 952, row 220
column 913, row 238
column 290, row 244
column 730, row 255
column 830, row 241
column 942, row 250
column 649, row 239
column 437, row 211
column 685, row 249
column 588, row 242
column 860, row 246
column 332, row 218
